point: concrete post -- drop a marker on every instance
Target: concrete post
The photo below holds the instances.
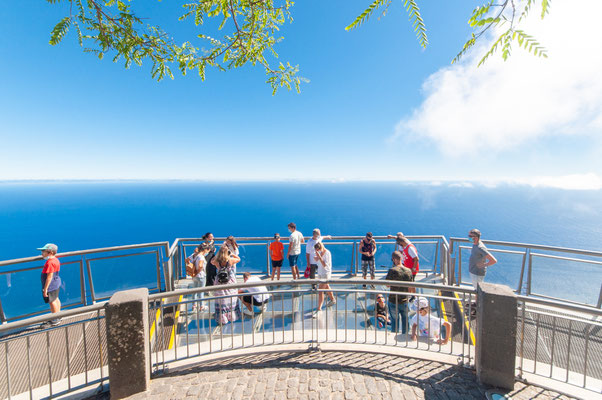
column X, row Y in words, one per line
column 496, row 335
column 127, row 342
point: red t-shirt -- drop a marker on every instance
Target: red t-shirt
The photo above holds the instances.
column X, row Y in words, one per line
column 276, row 249
column 51, row 265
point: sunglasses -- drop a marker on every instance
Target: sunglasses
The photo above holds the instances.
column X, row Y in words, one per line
column 379, row 297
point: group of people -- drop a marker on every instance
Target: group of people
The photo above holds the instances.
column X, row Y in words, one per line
column 208, row 267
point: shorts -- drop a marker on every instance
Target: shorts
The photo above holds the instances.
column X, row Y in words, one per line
column 52, row 296
column 251, row 300
column 324, row 275
column 476, row 279
column 292, row 259
column 368, row 264
column 276, row 263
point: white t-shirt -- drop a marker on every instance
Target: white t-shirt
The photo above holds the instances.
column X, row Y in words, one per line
column 257, row 289
column 423, row 325
column 326, row 268
column 311, row 250
column 199, row 260
column 295, row 243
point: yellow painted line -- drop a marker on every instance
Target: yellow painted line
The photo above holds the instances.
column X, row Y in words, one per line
column 443, row 309
column 466, row 321
column 152, row 330
column 175, row 325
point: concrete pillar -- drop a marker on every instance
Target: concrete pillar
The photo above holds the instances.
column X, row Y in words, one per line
column 496, row 335
column 127, row 343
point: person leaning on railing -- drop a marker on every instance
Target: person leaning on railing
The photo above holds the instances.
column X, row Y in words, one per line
column 398, row 304
column 480, row 258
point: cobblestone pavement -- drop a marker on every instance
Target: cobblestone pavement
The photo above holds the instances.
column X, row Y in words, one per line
column 326, row 375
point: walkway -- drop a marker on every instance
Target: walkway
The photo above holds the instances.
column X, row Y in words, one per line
column 325, row 375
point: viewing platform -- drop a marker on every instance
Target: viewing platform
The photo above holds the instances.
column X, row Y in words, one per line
column 558, row 344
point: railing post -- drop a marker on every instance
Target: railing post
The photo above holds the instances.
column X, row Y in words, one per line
column 127, row 342
column 495, row 354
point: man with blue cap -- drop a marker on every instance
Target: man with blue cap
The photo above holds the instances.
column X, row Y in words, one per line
column 51, row 281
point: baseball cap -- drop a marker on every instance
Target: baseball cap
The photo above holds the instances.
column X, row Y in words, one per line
column 50, row 247
column 423, row 303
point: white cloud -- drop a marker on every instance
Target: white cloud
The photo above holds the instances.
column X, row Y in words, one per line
column 588, row 181
column 503, row 104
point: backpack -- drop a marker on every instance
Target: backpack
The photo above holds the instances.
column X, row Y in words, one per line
column 224, row 275
column 190, row 269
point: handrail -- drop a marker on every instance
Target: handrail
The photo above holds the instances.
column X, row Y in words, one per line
column 6, row 328
column 89, row 251
column 531, row 246
column 306, row 282
column 562, row 305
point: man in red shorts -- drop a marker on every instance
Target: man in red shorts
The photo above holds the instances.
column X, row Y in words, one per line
column 51, row 281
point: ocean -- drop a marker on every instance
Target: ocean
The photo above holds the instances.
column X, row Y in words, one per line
column 83, row 215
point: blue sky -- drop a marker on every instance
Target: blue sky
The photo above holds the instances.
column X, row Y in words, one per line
column 377, row 107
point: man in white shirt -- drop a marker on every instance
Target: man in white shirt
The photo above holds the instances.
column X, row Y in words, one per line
column 310, row 251
column 257, row 295
column 294, row 248
column 423, row 323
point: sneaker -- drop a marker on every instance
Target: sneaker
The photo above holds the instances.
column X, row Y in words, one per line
column 56, row 322
column 331, row 303
column 315, row 314
column 46, row 325
column 204, row 308
column 246, row 311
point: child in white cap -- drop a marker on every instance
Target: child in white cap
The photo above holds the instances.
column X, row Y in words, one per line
column 425, row 324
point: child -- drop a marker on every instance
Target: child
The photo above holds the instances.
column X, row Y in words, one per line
column 382, row 312
column 428, row 325
column 51, row 281
column 276, row 254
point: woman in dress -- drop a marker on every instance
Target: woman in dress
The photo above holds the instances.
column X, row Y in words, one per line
column 226, row 309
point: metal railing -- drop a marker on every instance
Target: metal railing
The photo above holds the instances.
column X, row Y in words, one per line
column 535, row 263
column 433, row 251
column 40, row 362
column 560, row 341
column 289, row 319
column 85, row 277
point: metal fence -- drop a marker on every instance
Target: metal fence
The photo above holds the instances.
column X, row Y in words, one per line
column 560, row 341
column 290, row 317
column 39, row 362
column 526, row 265
column 255, row 256
column 88, row 276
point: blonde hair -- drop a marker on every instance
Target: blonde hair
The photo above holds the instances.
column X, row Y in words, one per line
column 223, row 256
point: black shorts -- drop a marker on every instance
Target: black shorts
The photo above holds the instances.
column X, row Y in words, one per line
column 251, row 300
column 276, row 263
column 52, row 296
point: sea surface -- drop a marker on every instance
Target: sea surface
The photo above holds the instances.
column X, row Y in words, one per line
column 83, row 215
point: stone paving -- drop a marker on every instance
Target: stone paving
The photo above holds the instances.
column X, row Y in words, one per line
column 326, row 376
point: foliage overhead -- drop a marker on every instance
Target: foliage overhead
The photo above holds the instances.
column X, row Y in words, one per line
column 110, row 27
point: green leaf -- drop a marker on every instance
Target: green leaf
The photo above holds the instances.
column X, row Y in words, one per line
column 59, row 31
